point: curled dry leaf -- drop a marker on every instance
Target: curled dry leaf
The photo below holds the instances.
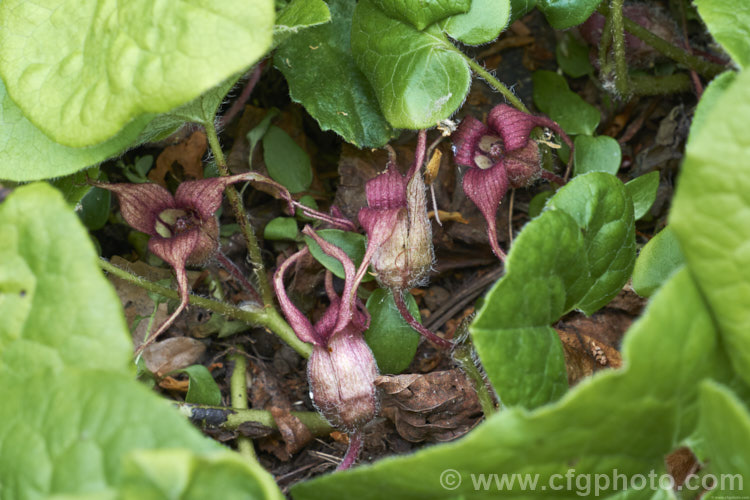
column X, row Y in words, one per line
column 437, row 406
column 268, row 393
column 584, row 355
column 188, row 154
column 172, row 354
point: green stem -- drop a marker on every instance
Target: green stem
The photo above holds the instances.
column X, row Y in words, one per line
column 257, row 316
column 495, row 83
column 605, row 41
column 463, row 356
column 622, row 80
column 704, row 68
column 656, row 85
column 253, row 248
column 232, row 419
column 238, row 391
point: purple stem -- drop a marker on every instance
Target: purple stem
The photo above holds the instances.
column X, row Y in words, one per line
column 398, row 298
column 419, row 154
column 355, row 446
column 245, row 95
column 232, row 269
column 546, row 174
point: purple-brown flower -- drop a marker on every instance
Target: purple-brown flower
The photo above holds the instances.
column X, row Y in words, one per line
column 341, row 370
column 183, row 228
column 500, row 155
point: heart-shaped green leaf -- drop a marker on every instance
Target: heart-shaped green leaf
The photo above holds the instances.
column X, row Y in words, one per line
column 83, row 69
column 323, row 77
column 483, row 23
column 418, row 76
column 577, row 254
column 202, row 388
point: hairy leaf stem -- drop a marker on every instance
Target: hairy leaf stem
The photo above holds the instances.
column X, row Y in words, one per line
column 495, row 83
column 704, row 68
column 622, row 80
column 253, row 248
column 256, row 316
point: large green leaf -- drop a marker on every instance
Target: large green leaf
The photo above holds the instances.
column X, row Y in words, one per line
column 577, row 254
column 418, row 76
column 323, row 77
column 584, row 431
column 422, row 13
column 298, row 15
column 710, row 212
column 564, row 14
column 597, row 154
column 481, row 24
column 73, row 415
column 27, row 154
column 728, row 21
column 82, row 69
column 725, row 428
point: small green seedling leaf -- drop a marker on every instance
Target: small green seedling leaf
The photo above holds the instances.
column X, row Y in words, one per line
column 422, row 13
column 257, row 132
column 597, row 154
column 484, row 22
column 573, row 56
column 322, row 76
column 725, row 428
column 82, row 86
column 202, row 388
column 643, row 192
column 287, row 163
column 74, row 186
column 658, row 260
column 566, row 14
column 137, row 173
column 393, row 342
column 95, row 206
column 418, row 76
column 281, row 228
column 553, row 97
column 353, row 244
column 298, row 15
column 723, row 17
column 309, row 202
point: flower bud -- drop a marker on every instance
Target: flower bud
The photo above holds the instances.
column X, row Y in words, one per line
column 342, row 380
column 404, row 258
